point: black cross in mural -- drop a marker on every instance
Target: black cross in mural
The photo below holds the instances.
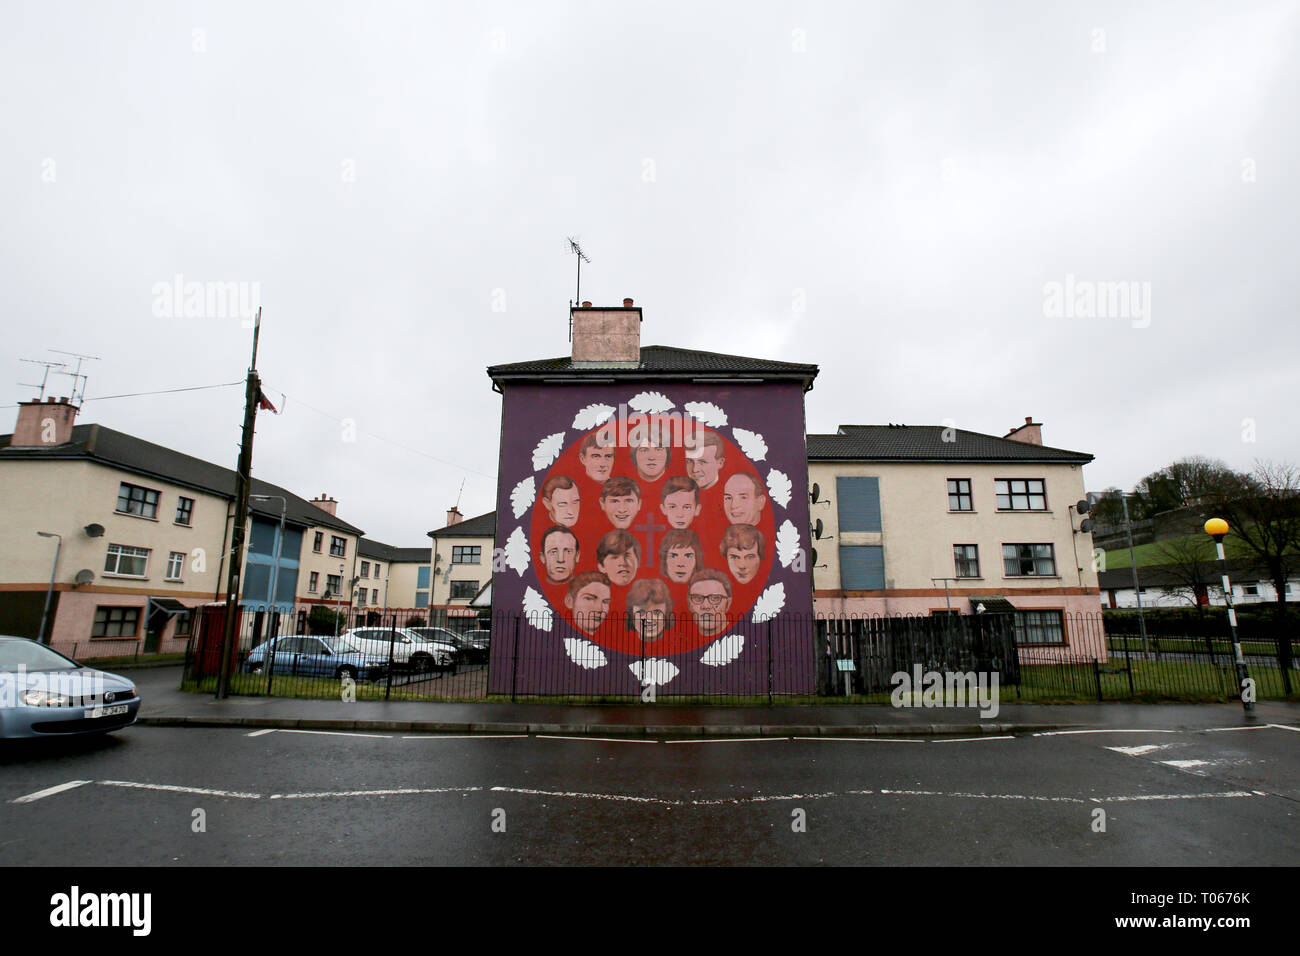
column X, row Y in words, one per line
column 650, row 527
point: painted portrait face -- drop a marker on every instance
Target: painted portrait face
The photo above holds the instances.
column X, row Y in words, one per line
column 705, row 466
column 651, row 461
column 562, row 506
column 709, row 603
column 621, row 509
column 680, row 509
column 560, row 555
column 741, row 501
column 598, row 461
column 621, row 568
column 590, row 606
column 680, row 564
column 651, row 618
column 743, row 563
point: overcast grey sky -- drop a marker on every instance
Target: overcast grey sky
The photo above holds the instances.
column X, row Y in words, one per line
column 883, row 189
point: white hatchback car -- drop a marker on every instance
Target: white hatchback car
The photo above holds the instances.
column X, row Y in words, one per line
column 410, row 651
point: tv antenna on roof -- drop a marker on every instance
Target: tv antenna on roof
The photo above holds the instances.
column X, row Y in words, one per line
column 45, row 376
column 78, row 379
column 582, row 257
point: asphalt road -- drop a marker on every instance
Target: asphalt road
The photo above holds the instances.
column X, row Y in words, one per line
column 292, row 797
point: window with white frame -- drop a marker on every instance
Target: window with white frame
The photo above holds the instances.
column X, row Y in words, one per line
column 313, row 581
column 1029, row 560
column 1021, row 494
column 134, row 500
column 175, row 565
column 333, row 584
column 959, row 495
column 125, row 560
column 361, row 596
column 365, row 569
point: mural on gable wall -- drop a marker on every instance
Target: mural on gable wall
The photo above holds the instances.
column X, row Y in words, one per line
column 646, row 534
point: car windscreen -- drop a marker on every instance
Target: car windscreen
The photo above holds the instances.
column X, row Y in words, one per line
column 24, row 655
column 339, row 646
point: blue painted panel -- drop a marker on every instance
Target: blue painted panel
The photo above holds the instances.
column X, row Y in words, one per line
column 862, row 567
column 858, row 501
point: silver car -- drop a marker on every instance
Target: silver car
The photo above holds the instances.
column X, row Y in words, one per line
column 44, row 694
column 410, row 651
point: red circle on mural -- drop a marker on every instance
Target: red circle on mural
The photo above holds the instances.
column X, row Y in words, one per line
column 598, row 497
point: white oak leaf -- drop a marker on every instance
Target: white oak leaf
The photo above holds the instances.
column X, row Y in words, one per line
column 591, row 416
column 769, row 603
column 779, row 487
column 537, row 611
column 655, row 671
column 751, row 443
column 706, row 413
column 584, row 653
column 547, row 450
column 523, row 495
column 787, row 542
column 517, row 551
column 723, row 651
column 650, row 402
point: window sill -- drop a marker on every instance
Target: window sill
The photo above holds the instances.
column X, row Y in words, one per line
column 182, row 524
column 1031, row 577
column 130, row 514
column 124, row 577
column 1022, row 511
column 976, row 578
column 173, row 580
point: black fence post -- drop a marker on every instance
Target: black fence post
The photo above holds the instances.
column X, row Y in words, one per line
column 769, row 662
column 514, row 659
column 388, row 674
column 1096, row 674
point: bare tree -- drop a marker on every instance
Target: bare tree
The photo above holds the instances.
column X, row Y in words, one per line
column 1191, row 562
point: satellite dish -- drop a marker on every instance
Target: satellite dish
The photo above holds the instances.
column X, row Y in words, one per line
column 94, row 530
column 817, row 529
column 814, row 555
column 1085, row 525
column 1083, row 507
column 85, row 575
column 816, row 492
column 979, row 608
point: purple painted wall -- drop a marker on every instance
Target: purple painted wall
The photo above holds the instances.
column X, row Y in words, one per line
column 568, row 622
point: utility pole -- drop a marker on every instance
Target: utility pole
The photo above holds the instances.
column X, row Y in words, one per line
column 243, row 482
column 1132, row 563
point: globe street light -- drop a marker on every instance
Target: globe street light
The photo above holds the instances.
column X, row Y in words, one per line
column 1217, row 528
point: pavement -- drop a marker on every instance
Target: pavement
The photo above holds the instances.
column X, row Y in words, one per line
column 164, row 704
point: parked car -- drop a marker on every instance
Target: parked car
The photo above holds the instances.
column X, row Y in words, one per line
column 472, row 650
column 43, row 693
column 410, row 651
column 482, row 641
column 305, row 655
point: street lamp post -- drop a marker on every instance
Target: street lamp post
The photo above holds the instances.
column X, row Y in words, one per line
column 1217, row 528
column 338, row 603
column 49, row 592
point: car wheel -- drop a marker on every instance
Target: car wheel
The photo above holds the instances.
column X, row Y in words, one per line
column 421, row 663
column 346, row 671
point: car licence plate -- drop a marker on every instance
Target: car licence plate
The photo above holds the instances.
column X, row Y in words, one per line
column 107, row 711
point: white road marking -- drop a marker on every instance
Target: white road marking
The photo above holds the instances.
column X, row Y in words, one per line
column 462, row 736
column 1285, row 727
column 982, row 796
column 398, row 792
column 870, row 740
column 1139, row 750
column 1181, row 796
column 174, row 789
column 334, row 733
column 1184, row 764
column 619, row 797
column 51, row 791
column 1063, row 733
column 1219, row 730
column 725, row 740
column 608, row 740
column 259, row 733
column 963, row 740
